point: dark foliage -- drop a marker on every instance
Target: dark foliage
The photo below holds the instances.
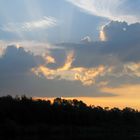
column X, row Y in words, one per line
column 24, row 118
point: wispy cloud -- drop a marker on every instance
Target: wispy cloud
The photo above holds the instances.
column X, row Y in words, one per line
column 111, row 9
column 132, row 69
column 86, row 39
column 44, row 23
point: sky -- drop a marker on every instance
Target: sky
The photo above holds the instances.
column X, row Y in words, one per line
column 84, row 49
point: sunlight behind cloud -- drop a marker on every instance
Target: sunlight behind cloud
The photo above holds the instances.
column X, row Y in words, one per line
column 86, row 76
column 102, row 35
column 1, row 52
column 50, row 59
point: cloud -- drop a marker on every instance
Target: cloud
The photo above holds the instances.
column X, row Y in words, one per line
column 17, row 77
column 121, row 31
column 16, row 61
column 87, row 68
column 43, row 23
column 50, row 59
column 132, row 69
column 78, row 69
column 121, row 45
column 122, row 40
column 114, row 10
column 86, row 76
column 31, row 45
column 119, row 53
column 86, row 39
column 27, row 30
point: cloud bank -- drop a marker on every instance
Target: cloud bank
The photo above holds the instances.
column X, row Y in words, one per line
column 22, row 72
column 84, row 69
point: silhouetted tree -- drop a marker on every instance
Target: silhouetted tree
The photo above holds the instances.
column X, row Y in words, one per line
column 21, row 116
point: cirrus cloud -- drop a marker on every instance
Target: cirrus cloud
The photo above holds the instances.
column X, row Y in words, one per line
column 121, row 10
column 43, row 23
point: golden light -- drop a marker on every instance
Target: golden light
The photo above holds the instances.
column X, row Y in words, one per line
column 102, row 35
column 50, row 59
column 86, row 76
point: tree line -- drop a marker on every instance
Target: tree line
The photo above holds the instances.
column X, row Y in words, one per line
column 26, row 116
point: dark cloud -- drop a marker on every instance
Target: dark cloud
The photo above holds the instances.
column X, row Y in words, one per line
column 122, row 32
column 122, row 45
column 16, row 78
column 123, row 40
column 17, row 61
column 15, row 66
column 120, row 50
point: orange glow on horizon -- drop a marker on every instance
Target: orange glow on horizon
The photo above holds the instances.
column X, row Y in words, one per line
column 110, row 102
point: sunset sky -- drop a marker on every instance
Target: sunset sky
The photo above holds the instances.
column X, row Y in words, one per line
column 84, row 49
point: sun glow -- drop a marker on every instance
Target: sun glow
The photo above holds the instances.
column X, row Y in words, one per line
column 102, row 35
column 110, row 102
